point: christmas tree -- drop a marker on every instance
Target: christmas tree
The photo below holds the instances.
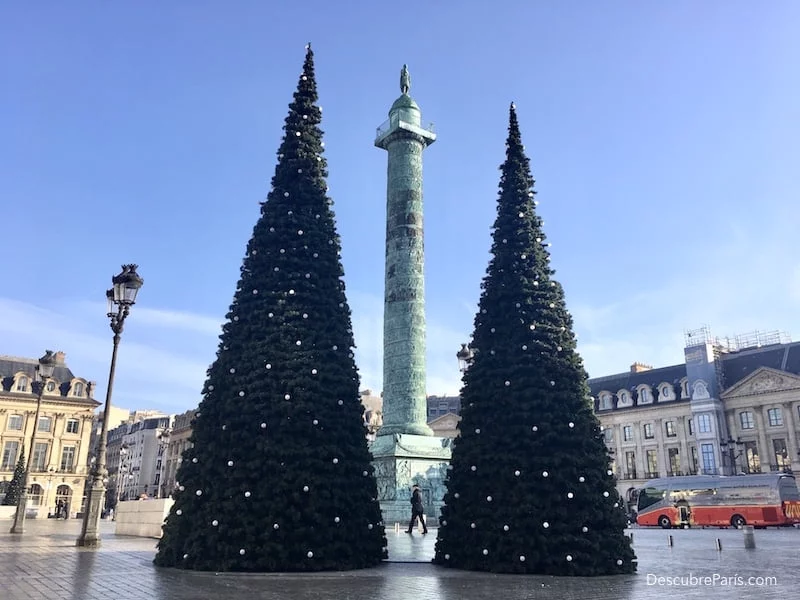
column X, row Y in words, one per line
column 15, row 485
column 530, row 489
column 279, row 477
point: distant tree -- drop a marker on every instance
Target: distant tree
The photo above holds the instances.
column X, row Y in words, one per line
column 15, row 486
column 530, row 489
column 279, row 477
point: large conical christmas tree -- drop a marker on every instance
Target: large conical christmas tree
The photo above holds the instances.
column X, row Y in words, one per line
column 279, row 477
column 15, row 485
column 530, row 489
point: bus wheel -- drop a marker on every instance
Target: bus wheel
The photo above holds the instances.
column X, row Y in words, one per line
column 664, row 521
column 738, row 521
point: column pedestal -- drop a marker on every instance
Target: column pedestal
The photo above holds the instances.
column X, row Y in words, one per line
column 402, row 460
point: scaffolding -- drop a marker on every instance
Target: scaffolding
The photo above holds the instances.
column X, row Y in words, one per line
column 743, row 341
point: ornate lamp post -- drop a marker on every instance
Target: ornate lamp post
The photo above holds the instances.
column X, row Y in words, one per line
column 464, row 356
column 120, row 299
column 163, row 448
column 44, row 371
column 732, row 447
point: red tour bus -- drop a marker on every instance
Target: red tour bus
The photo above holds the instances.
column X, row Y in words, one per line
column 771, row 499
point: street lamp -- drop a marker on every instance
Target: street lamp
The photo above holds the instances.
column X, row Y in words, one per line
column 464, row 356
column 163, row 447
column 120, row 299
column 44, row 371
column 731, row 446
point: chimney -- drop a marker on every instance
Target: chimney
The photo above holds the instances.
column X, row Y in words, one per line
column 60, row 356
column 638, row 367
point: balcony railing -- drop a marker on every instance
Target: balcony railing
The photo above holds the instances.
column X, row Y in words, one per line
column 780, row 468
column 674, row 473
column 395, row 122
column 651, row 475
column 631, row 475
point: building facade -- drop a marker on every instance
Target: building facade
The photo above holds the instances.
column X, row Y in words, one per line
column 63, row 432
column 179, row 441
column 134, row 459
column 732, row 407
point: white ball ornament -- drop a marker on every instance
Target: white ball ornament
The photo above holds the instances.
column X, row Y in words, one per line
column 263, row 426
column 185, row 556
column 584, row 529
column 472, row 525
column 247, row 494
column 340, row 402
column 336, row 519
column 276, row 526
column 315, row 422
column 534, row 428
column 369, row 526
column 291, row 292
column 232, row 371
column 199, row 492
column 456, row 495
column 569, row 558
column 545, row 524
column 255, row 292
column 505, row 527
column 242, row 551
column 179, row 512
column 609, row 472
column 545, row 474
column 230, row 463
column 552, row 305
column 581, row 478
column 516, row 473
column 210, row 389
column 447, row 557
column 268, row 366
column 364, row 473
column 485, row 552
column 287, row 397
column 181, row 488
column 521, row 559
column 619, row 562
column 571, row 425
column 194, row 460
column 552, row 383
column 488, row 498
column 478, row 430
column 336, row 461
column 508, row 383
column 305, row 488
column 313, row 371
column 310, row 554
column 241, row 394
column 214, row 522
column 473, row 468
column 570, row 495
column 605, row 494
column 524, row 347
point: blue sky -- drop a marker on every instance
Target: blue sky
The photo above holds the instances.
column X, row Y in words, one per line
column 663, row 137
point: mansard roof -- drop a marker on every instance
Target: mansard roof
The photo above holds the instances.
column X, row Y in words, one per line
column 651, row 377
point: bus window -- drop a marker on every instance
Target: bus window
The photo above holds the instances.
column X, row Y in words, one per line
column 787, row 489
column 649, row 496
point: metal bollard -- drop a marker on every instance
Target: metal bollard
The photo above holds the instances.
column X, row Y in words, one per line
column 397, row 527
column 719, row 545
column 631, row 538
column 669, row 541
column 749, row 537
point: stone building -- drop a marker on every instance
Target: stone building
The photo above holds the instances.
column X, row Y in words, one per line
column 732, row 407
column 178, row 443
column 63, row 432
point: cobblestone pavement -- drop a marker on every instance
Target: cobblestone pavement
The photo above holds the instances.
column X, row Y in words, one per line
column 44, row 564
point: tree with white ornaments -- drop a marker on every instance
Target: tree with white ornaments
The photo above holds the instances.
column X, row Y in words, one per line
column 530, row 489
column 279, row 476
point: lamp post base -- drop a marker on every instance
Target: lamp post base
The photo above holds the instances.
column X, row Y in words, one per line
column 90, row 531
column 19, row 516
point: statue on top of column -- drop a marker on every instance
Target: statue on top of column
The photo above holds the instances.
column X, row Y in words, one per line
column 405, row 80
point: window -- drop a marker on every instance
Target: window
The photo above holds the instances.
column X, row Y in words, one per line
column 630, row 464
column 36, row 495
column 690, row 423
column 605, row 402
column 627, row 433
column 51, row 386
column 695, row 461
column 648, row 431
column 9, row 456
column 624, row 399
column 73, row 426
column 68, row 458
column 669, row 429
column 781, row 455
column 45, row 423
column 15, row 422
column 775, row 417
column 608, row 434
column 666, row 392
column 674, row 458
column 652, row 463
column 751, row 456
column 78, row 389
column 39, row 457
column 704, row 423
column 709, row 462
column 22, row 384
column 746, row 419
column 644, row 396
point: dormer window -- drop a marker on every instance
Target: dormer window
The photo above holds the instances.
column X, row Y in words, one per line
column 624, row 398
column 51, row 386
column 645, row 397
column 22, row 384
column 78, row 389
column 605, row 401
column 684, row 388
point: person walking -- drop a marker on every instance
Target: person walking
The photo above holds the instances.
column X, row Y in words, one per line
column 417, row 510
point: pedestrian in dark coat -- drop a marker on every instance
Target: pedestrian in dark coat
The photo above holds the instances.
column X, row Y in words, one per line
column 417, row 510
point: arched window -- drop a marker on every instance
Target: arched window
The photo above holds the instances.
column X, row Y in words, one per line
column 36, row 495
column 645, row 395
column 605, row 401
column 22, row 384
column 78, row 389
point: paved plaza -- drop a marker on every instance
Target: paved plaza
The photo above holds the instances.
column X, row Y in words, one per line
column 44, row 564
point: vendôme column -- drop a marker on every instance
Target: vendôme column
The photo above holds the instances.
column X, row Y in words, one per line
column 405, row 451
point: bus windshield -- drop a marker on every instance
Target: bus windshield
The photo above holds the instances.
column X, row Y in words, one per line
column 649, row 496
